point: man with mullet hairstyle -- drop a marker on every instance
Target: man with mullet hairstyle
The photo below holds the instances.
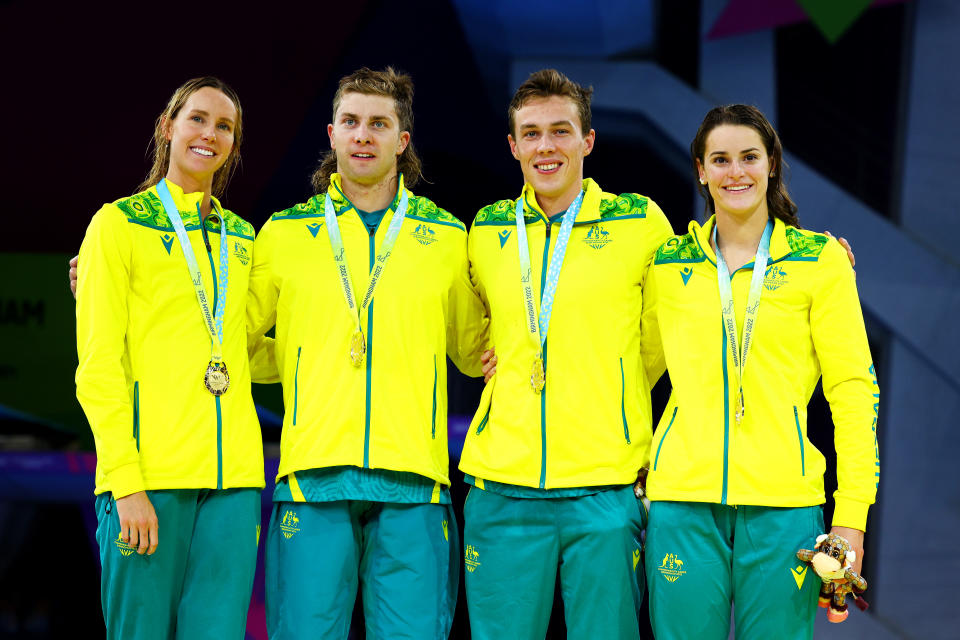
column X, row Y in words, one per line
column 368, row 286
column 564, row 424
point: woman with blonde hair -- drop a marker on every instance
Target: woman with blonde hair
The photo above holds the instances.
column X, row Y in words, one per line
column 164, row 379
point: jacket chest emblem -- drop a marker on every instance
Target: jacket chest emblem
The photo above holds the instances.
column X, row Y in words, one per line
column 504, row 236
column 685, row 273
column 240, row 253
column 424, row 234
column 167, row 241
column 314, row 227
column 774, row 278
column 597, row 237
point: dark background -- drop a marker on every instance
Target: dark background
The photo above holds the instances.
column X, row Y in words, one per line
column 84, row 85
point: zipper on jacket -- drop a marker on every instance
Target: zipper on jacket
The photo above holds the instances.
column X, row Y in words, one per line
column 665, row 434
column 726, row 416
column 433, row 419
column 136, row 413
column 483, row 423
column 543, row 392
column 623, row 412
column 216, row 399
column 296, row 377
column 796, row 418
column 369, row 358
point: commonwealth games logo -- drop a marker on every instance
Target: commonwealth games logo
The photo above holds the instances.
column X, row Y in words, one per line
column 671, row 567
column 424, row 234
column 597, row 237
column 125, row 548
column 774, row 278
column 288, row 525
column 471, row 558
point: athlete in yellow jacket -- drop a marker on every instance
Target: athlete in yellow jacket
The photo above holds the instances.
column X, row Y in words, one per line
column 178, row 446
column 734, row 482
column 563, row 426
column 369, row 289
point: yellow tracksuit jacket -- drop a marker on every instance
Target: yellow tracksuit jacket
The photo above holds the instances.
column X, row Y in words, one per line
column 809, row 322
column 390, row 413
column 591, row 424
column 143, row 350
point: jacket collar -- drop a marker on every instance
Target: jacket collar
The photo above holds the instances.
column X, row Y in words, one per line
column 591, row 201
column 779, row 247
column 342, row 204
column 187, row 203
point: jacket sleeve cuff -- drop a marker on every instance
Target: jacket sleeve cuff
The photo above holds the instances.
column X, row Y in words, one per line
column 850, row 513
column 125, row 480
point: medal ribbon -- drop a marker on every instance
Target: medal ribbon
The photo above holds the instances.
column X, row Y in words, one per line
column 340, row 258
column 537, row 327
column 741, row 349
column 213, row 323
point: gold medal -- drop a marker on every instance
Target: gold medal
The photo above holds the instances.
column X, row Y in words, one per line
column 216, row 379
column 537, row 376
column 358, row 348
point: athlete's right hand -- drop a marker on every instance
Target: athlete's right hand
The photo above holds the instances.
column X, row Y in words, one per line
column 489, row 360
column 72, row 275
column 138, row 522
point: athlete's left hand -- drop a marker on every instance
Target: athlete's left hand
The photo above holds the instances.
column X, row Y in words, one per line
column 489, row 360
column 846, row 245
column 855, row 538
column 72, row 275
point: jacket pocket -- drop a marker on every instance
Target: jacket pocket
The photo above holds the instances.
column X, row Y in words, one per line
column 623, row 411
column 796, row 419
column 665, row 434
column 296, row 383
column 433, row 418
column 136, row 413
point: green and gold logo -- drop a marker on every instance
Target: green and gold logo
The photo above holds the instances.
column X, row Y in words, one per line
column 471, row 558
column 446, row 535
column 774, row 278
column 636, row 558
column 288, row 525
column 597, row 237
column 424, row 234
column 671, row 567
column 125, row 549
column 240, row 253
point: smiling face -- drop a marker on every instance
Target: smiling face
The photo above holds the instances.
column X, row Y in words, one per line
column 367, row 139
column 550, row 146
column 201, row 137
column 736, row 168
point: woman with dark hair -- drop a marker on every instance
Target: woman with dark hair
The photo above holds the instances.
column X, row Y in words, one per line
column 160, row 318
column 747, row 312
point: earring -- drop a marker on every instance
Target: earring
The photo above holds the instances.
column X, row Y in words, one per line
column 772, row 173
column 702, row 181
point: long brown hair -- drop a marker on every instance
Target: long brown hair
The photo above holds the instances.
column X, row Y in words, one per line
column 387, row 83
column 161, row 147
column 779, row 204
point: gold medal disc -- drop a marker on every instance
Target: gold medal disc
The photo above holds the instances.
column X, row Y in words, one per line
column 358, row 348
column 216, row 379
column 537, row 376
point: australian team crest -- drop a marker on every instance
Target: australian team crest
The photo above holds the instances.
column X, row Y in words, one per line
column 597, row 236
column 774, row 278
column 424, row 234
column 240, row 253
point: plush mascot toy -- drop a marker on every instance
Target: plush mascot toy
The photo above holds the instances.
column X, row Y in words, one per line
column 831, row 558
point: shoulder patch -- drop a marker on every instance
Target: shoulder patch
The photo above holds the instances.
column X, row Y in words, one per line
column 425, row 208
column 237, row 225
column 145, row 208
column 302, row 209
column 805, row 244
column 626, row 204
column 679, row 249
column 503, row 212
column 500, row 211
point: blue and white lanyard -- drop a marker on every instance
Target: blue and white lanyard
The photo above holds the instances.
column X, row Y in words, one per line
column 340, row 258
column 741, row 349
column 537, row 327
column 213, row 323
